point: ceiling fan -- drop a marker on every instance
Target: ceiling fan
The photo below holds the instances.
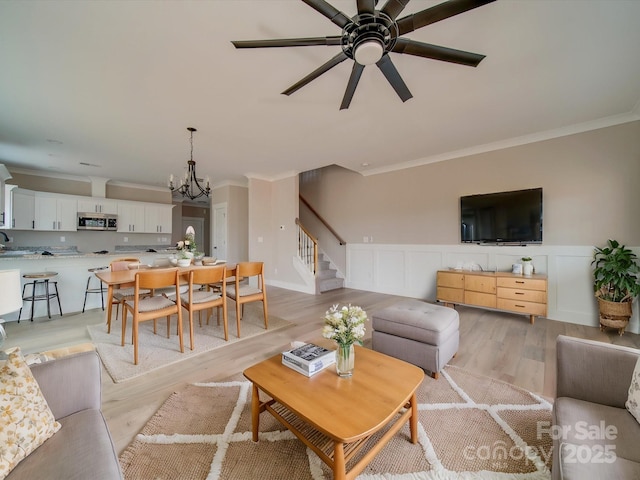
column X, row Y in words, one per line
column 369, row 37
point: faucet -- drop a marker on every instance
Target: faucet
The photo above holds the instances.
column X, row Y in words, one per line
column 6, row 239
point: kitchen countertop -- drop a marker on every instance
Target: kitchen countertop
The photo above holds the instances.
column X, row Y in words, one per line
column 37, row 253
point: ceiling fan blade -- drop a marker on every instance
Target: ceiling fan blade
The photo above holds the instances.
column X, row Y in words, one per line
column 356, row 72
column 341, row 57
column 391, row 73
column 287, row 42
column 329, row 11
column 436, row 52
column 435, row 14
column 366, row 6
column 393, row 8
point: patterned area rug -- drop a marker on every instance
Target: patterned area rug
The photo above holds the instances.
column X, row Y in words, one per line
column 470, row 427
column 157, row 351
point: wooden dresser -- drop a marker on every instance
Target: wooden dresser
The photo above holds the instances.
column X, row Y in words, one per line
column 499, row 290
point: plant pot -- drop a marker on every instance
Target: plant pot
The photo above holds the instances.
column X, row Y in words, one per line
column 614, row 314
column 527, row 268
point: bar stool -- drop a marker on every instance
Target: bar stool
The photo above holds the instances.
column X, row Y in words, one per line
column 41, row 278
column 100, row 290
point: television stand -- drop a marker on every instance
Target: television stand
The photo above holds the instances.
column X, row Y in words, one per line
column 495, row 290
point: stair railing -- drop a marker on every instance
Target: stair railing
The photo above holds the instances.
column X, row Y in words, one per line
column 324, row 222
column 307, row 248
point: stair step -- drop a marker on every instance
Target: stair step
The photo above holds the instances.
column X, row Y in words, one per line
column 323, row 265
column 331, row 284
column 324, row 274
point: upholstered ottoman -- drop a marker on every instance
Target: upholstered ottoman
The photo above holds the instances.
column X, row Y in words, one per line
column 417, row 332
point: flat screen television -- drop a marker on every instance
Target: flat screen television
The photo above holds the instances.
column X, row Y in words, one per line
column 505, row 217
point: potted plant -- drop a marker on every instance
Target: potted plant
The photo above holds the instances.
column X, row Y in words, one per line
column 616, row 283
column 527, row 266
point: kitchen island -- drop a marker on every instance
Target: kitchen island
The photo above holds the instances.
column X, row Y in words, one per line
column 73, row 270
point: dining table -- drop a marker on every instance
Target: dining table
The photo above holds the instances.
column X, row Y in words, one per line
column 121, row 277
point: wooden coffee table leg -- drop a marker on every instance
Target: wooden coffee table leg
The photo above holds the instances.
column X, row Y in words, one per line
column 413, row 425
column 255, row 411
column 339, row 465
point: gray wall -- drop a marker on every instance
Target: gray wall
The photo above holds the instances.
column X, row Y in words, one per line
column 237, row 200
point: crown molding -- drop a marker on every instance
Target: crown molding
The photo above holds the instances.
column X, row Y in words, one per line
column 229, row 183
column 605, row 122
column 49, row 174
column 86, row 179
column 272, row 178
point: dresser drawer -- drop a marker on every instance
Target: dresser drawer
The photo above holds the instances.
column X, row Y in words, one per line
column 529, row 308
column 450, row 279
column 523, row 283
column 480, row 283
column 480, row 299
column 520, row 294
column 453, row 295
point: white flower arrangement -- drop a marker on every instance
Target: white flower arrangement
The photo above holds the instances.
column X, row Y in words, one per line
column 344, row 325
column 188, row 244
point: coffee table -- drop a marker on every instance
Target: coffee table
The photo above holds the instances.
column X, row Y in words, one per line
column 336, row 417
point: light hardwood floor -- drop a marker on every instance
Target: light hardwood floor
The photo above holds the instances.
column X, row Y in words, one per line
column 499, row 345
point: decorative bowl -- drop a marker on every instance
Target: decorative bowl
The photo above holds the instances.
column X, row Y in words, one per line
column 184, row 262
column 174, row 261
column 209, row 260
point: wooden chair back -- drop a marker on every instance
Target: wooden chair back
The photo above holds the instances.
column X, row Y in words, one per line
column 242, row 293
column 158, row 278
column 207, row 275
column 250, row 269
column 120, row 264
column 214, row 275
column 153, row 307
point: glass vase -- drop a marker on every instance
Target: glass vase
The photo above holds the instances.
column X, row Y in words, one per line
column 345, row 359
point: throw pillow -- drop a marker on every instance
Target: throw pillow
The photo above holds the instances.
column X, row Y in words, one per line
column 48, row 355
column 633, row 401
column 26, row 420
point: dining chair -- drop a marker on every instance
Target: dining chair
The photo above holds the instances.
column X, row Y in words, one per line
column 152, row 307
column 164, row 262
column 242, row 291
column 121, row 292
column 197, row 300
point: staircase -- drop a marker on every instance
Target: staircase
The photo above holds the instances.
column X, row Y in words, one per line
column 326, row 277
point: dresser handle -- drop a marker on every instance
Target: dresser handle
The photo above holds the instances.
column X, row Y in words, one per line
column 519, row 293
column 519, row 306
column 520, row 281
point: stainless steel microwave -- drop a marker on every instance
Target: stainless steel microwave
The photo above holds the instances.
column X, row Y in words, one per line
column 97, row 221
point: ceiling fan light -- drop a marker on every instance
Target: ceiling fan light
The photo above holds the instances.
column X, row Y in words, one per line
column 368, row 53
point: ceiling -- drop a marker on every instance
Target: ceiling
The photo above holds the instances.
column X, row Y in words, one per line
column 108, row 88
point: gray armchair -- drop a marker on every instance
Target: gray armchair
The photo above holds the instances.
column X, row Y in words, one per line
column 594, row 436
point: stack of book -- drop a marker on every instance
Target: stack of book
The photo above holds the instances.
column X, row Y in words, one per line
column 308, row 359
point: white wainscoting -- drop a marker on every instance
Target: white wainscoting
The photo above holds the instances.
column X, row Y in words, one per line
column 410, row 270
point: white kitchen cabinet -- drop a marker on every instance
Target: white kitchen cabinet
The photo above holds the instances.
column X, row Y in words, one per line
column 22, row 209
column 4, row 176
column 55, row 212
column 97, row 205
column 2, row 204
column 131, row 217
column 158, row 218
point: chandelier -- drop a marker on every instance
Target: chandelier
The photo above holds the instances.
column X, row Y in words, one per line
column 189, row 186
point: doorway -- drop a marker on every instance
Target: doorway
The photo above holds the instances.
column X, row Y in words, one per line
column 219, row 234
